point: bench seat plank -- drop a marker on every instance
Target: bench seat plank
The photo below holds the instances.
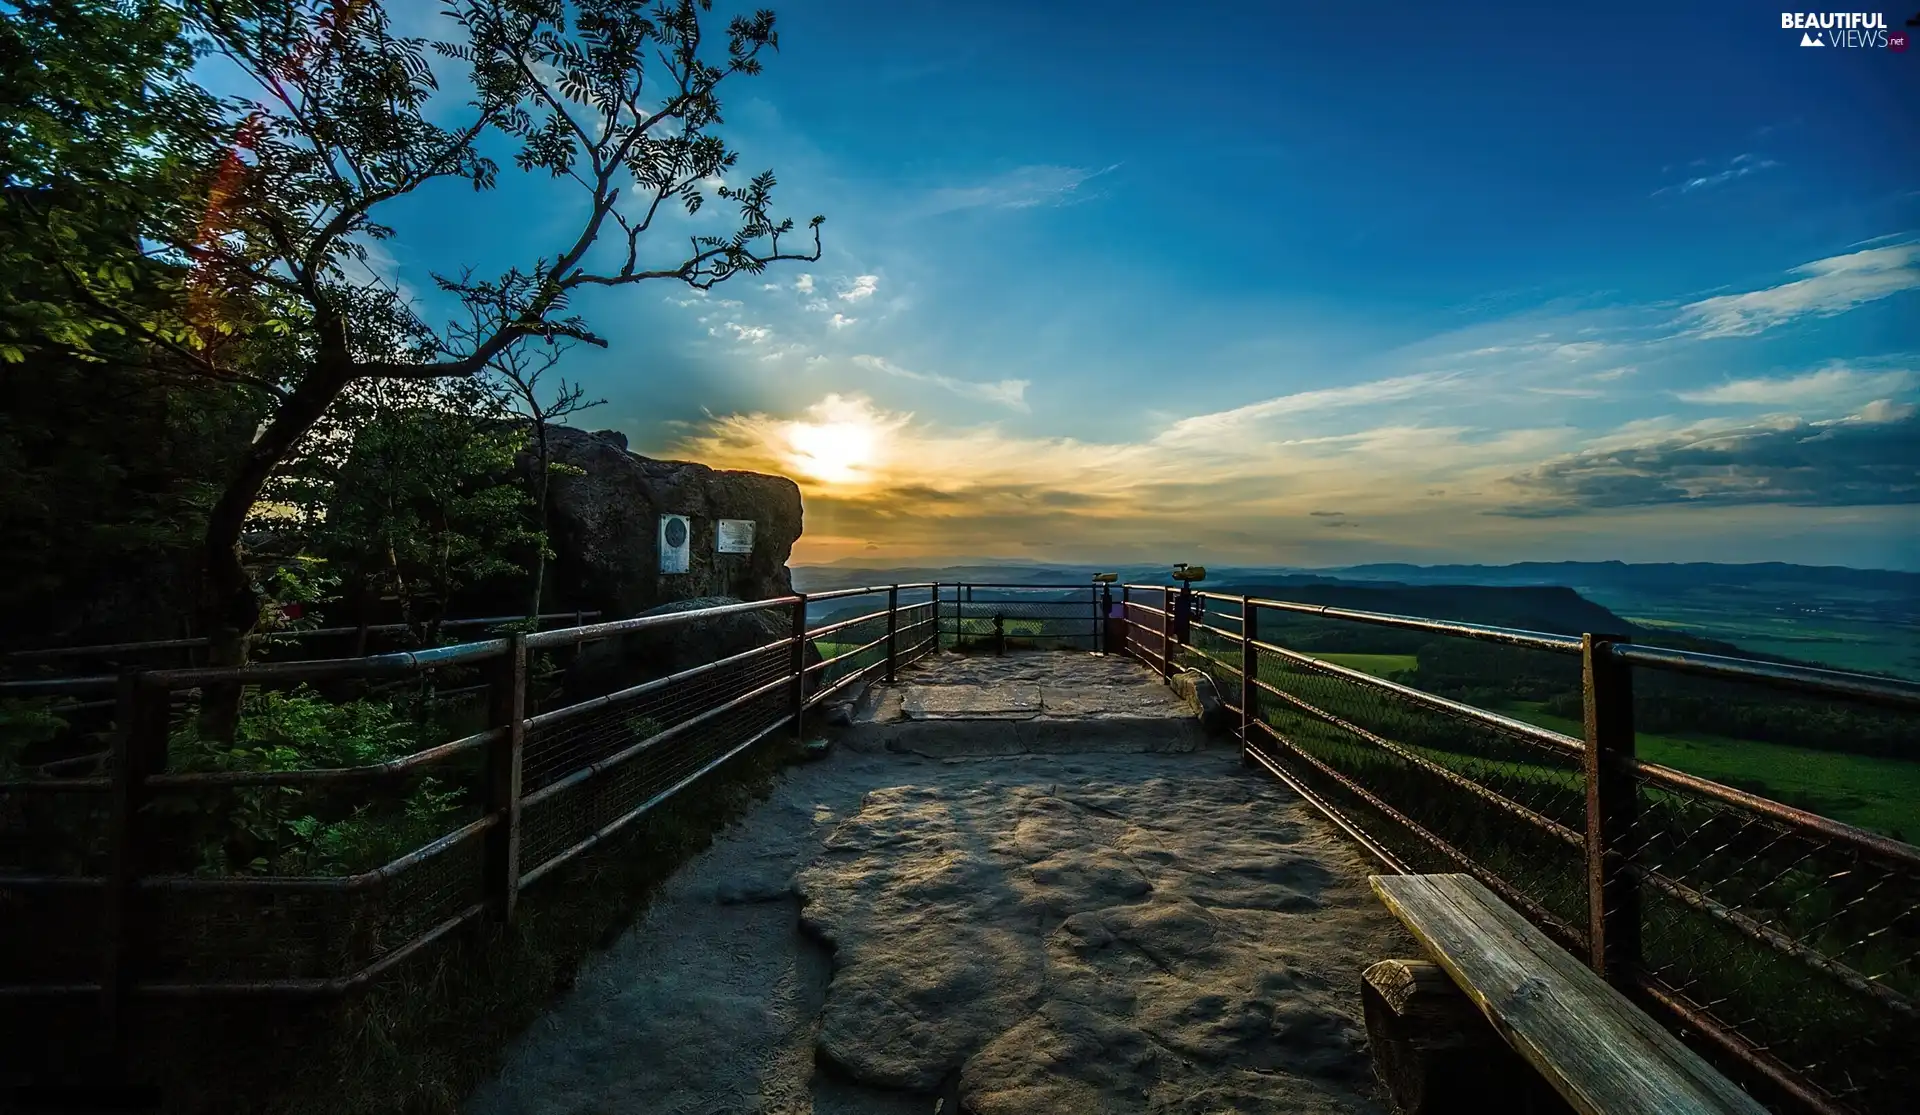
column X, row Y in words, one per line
column 1597, row 1049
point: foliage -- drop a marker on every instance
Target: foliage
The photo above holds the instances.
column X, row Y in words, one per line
column 420, row 496
column 283, row 830
column 25, row 724
column 267, row 214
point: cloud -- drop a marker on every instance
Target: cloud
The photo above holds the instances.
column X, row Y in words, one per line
column 751, row 334
column 1021, row 188
column 1832, row 286
column 1865, row 459
column 1737, row 167
column 861, row 288
column 841, row 321
column 1007, row 392
column 1837, row 382
column 1205, row 429
column 803, row 284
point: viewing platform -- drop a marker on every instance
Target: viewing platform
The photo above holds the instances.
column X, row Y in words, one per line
column 1037, row 701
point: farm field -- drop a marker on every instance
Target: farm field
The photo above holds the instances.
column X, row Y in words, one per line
column 1873, row 793
column 1879, row 794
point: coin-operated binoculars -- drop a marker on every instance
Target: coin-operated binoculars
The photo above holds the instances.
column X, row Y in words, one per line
column 1186, row 603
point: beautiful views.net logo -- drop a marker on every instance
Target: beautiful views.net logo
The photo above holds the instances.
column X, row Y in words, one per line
column 1847, row 29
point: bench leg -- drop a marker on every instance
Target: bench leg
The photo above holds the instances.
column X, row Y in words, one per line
column 1436, row 1054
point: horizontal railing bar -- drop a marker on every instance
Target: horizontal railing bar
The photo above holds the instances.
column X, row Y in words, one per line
column 1538, row 640
column 829, row 690
column 567, row 712
column 366, row 772
column 600, row 767
column 318, row 988
column 295, row 633
column 1769, row 937
column 1506, row 890
column 1147, row 608
column 321, row 669
column 864, row 590
column 1489, row 795
column 841, row 625
column 1755, row 1059
column 91, row 683
column 306, row 884
column 861, row 649
column 1825, row 827
column 1083, row 586
column 1530, row 732
column 1353, row 831
column 561, row 636
column 528, row 878
column 1841, row 683
column 89, row 785
column 52, row 882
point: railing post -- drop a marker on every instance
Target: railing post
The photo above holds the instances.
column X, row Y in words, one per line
column 1613, row 901
column 1249, row 670
column 999, row 634
column 798, row 665
column 1166, row 635
column 893, row 625
column 1099, row 620
column 936, row 617
column 139, row 750
column 507, row 715
column 1126, row 620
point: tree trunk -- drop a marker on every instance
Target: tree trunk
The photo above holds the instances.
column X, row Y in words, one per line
column 541, row 484
column 231, row 606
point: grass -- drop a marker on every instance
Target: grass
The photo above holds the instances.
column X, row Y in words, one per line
column 420, row 1041
column 1379, row 665
column 1873, row 793
column 1879, row 794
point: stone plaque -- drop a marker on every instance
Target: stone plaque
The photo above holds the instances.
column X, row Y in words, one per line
column 734, row 536
column 674, row 539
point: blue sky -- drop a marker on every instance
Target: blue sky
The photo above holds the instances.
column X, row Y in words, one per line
column 1268, row 281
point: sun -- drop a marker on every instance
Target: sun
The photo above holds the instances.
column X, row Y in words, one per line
column 833, row 452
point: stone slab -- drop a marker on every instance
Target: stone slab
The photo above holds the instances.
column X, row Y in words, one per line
column 971, row 702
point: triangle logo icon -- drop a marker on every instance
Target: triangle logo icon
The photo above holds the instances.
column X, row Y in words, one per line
column 1807, row 39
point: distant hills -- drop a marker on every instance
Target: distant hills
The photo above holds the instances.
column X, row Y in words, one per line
column 1659, row 578
column 1653, row 577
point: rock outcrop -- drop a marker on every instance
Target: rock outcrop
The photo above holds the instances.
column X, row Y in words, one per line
column 605, row 523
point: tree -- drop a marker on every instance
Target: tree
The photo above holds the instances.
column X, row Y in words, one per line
column 615, row 98
column 520, row 372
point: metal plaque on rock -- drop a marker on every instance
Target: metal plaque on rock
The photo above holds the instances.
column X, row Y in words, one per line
column 734, row 536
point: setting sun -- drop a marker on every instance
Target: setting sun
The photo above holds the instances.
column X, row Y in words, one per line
column 832, row 452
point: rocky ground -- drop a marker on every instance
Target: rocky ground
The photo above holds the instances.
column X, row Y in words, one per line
column 1111, row 931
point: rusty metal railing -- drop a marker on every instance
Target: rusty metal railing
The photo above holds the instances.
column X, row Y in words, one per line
column 104, row 899
column 1783, row 943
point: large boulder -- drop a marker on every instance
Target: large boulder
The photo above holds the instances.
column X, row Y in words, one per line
column 605, row 523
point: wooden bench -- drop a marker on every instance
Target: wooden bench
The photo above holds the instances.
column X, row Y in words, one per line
column 1599, row 1052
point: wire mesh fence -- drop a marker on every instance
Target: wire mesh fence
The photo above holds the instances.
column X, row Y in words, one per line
column 1783, row 943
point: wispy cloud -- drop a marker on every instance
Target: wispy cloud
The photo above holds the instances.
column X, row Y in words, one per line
column 1831, row 286
column 1737, row 167
column 1022, row 188
column 1836, row 383
column 1205, row 429
column 861, row 288
column 1007, row 392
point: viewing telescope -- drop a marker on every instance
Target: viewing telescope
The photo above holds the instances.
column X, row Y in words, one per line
column 1105, row 578
column 1189, row 573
